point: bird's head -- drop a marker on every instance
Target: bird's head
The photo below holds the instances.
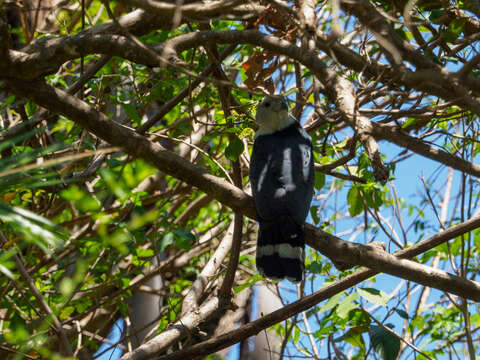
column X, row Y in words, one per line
column 272, row 115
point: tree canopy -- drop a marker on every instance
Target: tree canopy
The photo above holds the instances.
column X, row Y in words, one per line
column 126, row 133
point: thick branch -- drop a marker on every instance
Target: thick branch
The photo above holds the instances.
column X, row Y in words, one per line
column 442, row 83
column 50, row 53
column 134, row 144
column 385, row 34
column 343, row 94
column 169, row 162
column 223, row 341
column 397, row 136
column 183, row 94
column 381, row 261
column 198, row 11
column 175, row 331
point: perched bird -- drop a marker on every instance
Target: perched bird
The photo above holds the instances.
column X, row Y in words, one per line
column 282, row 177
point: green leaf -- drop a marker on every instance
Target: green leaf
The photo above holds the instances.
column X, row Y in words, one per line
column 373, row 295
column 135, row 171
column 66, row 312
column 346, row 305
column 184, row 239
column 35, row 228
column 132, row 113
column 117, row 187
column 324, row 160
column 435, row 15
column 355, row 202
column 144, row 253
column 119, row 240
column 139, row 220
column 331, row 303
column 185, row 234
column 88, row 203
column 385, row 343
column 409, row 122
column 296, row 334
column 251, row 281
column 82, row 200
column 247, row 132
column 234, row 149
column 67, row 286
column 373, row 197
column 404, row 35
column 319, row 180
column 5, row 271
column 354, row 338
column 402, row 313
column 316, row 267
column 7, row 102
column 314, row 213
column 167, row 240
column 454, row 30
column 18, row 330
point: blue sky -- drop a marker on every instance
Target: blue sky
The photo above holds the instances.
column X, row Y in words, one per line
column 106, row 351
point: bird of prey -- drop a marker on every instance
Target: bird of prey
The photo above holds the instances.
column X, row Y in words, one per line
column 282, row 177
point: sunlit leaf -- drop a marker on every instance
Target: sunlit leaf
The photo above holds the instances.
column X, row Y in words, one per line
column 35, row 228
column 250, row 281
column 331, row 303
column 373, row 295
column 355, row 201
column 346, row 305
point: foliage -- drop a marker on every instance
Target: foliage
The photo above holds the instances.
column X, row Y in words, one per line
column 88, row 220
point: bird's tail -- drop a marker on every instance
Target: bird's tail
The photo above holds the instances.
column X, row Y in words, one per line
column 281, row 249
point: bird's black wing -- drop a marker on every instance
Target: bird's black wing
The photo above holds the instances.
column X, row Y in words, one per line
column 282, row 174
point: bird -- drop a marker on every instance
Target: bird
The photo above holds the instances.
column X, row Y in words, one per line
column 282, row 179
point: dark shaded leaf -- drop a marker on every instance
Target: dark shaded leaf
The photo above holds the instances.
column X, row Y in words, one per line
column 385, row 343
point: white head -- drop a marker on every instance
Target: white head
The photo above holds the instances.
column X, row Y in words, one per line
column 272, row 115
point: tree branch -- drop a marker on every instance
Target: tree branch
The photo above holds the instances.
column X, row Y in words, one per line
column 190, row 301
column 223, row 341
column 385, row 34
column 372, row 257
column 176, row 331
column 172, row 164
column 397, row 136
column 198, row 11
column 433, row 81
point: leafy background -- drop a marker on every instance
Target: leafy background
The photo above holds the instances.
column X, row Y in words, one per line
column 83, row 220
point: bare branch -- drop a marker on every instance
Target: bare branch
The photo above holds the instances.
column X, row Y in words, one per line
column 190, row 302
column 199, row 11
column 176, row 331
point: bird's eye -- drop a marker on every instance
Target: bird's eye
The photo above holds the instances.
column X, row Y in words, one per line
column 267, row 104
